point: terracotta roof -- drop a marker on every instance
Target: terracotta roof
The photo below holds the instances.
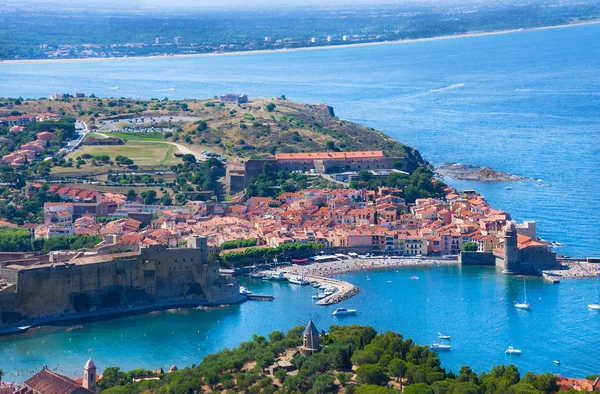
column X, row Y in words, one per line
column 330, row 155
column 48, row 382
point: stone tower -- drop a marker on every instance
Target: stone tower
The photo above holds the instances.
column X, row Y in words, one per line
column 512, row 265
column 89, row 376
column 311, row 341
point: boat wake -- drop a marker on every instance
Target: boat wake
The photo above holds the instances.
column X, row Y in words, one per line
column 451, row 87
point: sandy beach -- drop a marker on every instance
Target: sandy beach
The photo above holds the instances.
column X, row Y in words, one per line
column 355, row 265
column 324, row 47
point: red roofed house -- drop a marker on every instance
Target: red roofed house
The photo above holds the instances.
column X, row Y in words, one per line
column 50, row 382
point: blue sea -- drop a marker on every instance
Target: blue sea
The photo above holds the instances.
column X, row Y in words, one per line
column 527, row 103
column 474, row 305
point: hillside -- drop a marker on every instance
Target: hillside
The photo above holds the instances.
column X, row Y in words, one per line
column 236, row 132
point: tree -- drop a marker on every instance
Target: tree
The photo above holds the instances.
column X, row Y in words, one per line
column 166, row 199
column 131, row 195
column 149, row 196
column 344, row 377
column 270, row 107
column 470, row 246
column 189, row 158
column 369, row 389
column 323, row 384
column 397, row 368
column 546, row 383
column 418, row 388
column 371, row 374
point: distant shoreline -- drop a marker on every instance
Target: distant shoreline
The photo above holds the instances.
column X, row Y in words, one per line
column 324, row 47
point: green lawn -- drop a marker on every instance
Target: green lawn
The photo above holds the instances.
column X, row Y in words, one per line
column 143, row 153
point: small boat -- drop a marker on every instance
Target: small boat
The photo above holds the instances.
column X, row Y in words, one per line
column 596, row 305
column 557, row 362
column 319, row 296
column 279, row 276
column 414, row 277
column 257, row 275
column 513, row 351
column 524, row 304
column 508, row 188
column 344, row 312
column 315, row 284
column 440, row 347
column 244, row 291
column 298, row 280
column 442, row 336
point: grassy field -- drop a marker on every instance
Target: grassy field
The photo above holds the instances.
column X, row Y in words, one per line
column 154, row 136
column 143, row 153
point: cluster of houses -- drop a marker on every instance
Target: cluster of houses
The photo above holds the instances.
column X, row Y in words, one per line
column 344, row 220
column 30, row 150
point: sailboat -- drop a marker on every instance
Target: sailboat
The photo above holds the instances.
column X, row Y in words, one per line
column 524, row 304
column 595, row 306
column 442, row 336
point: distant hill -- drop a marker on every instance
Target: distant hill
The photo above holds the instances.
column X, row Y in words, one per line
column 259, row 128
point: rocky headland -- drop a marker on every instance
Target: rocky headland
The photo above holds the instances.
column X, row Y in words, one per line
column 468, row 172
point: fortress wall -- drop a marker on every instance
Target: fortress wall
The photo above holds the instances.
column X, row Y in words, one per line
column 156, row 274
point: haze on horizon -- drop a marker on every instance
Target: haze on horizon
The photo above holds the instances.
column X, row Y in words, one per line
column 247, row 3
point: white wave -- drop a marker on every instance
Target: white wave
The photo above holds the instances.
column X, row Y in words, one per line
column 453, row 86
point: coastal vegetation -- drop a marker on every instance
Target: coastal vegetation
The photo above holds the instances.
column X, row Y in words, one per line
column 352, row 359
column 283, row 252
column 20, row 240
column 251, row 130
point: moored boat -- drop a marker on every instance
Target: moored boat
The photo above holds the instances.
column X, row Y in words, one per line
column 441, row 347
column 319, row 296
column 344, row 312
column 298, row 280
column 513, row 351
column 442, row 336
column 244, row 291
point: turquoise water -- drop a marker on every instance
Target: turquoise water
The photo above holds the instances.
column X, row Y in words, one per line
column 473, row 305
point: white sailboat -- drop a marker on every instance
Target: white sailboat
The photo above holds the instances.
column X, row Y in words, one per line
column 524, row 304
column 513, row 351
column 595, row 306
column 443, row 336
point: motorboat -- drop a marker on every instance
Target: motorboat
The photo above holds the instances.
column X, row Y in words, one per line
column 442, row 336
column 344, row 312
column 524, row 304
column 442, row 347
column 244, row 291
column 276, row 276
column 315, row 284
column 513, row 351
column 414, row 277
column 257, row 275
column 595, row 306
column 298, row 280
column 557, row 362
column 319, row 296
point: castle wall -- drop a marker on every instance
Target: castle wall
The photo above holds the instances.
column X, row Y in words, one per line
column 477, row 258
column 155, row 274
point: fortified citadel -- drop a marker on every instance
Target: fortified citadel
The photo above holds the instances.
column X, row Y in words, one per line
column 153, row 276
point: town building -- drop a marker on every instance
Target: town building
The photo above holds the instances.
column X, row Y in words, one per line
column 234, row 99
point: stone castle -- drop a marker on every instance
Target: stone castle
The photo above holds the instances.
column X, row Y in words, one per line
column 155, row 275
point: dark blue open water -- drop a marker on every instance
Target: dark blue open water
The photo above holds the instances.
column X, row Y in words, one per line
column 527, row 103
